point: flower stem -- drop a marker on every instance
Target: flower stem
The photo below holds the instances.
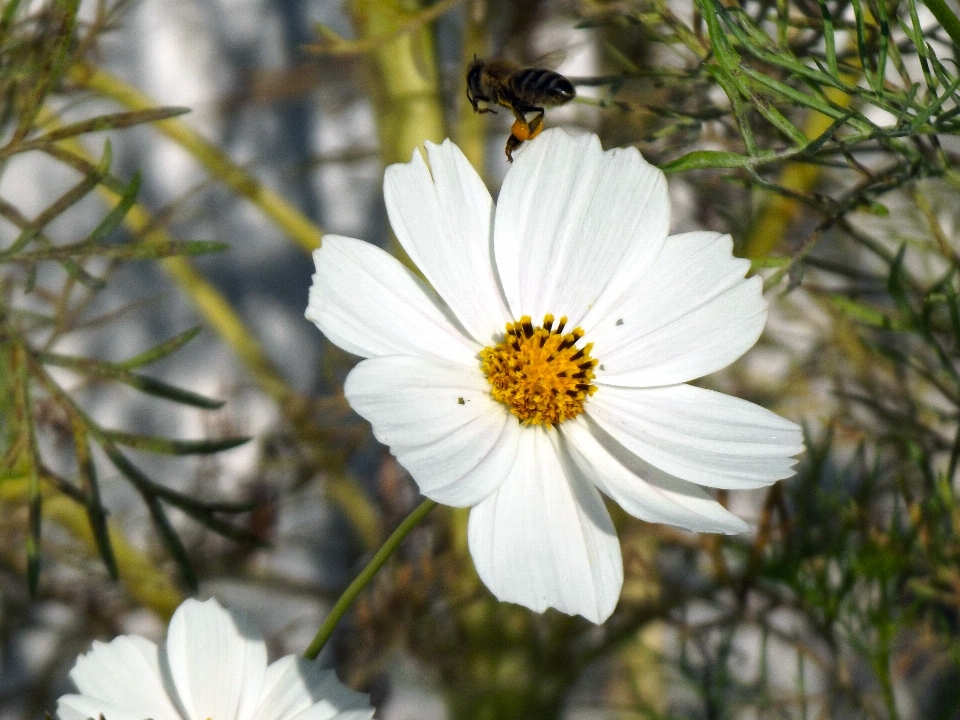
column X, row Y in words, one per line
column 361, row 581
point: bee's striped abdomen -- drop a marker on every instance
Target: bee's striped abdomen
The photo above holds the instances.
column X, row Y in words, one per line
column 536, row 86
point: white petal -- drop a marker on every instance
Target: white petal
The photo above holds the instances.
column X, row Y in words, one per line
column 568, row 216
column 335, row 701
column 286, row 688
column 298, row 688
column 641, row 489
column 444, row 223
column 125, row 673
column 365, row 301
column 691, row 314
column 217, row 660
column 440, row 422
column 544, row 538
column 699, row 435
column 81, row 707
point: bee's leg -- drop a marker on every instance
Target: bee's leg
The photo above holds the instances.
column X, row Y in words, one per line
column 535, row 126
column 522, row 131
column 475, row 102
column 513, row 142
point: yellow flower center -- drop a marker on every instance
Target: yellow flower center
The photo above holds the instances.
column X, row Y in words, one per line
column 539, row 373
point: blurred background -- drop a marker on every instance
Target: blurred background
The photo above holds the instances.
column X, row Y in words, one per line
column 171, row 425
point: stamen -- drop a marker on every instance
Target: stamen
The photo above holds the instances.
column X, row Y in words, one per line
column 538, row 372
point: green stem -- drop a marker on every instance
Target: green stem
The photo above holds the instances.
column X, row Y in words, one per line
column 947, row 19
column 350, row 594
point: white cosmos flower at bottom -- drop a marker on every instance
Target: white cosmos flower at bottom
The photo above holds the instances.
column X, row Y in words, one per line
column 213, row 667
column 548, row 362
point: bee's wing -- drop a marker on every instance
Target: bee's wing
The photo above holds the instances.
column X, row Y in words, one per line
column 546, row 61
column 550, row 60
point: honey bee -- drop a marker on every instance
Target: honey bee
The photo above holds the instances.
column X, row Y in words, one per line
column 522, row 90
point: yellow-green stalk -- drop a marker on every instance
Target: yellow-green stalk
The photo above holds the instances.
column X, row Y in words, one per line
column 218, row 163
column 406, row 82
column 470, row 131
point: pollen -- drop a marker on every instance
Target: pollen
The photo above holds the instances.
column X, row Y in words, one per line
column 522, row 130
column 539, row 372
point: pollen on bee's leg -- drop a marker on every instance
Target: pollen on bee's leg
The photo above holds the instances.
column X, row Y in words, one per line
column 520, row 130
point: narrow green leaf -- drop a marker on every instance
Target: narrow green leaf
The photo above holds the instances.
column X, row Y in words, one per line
column 830, row 45
column 170, row 540
column 739, row 109
column 114, row 121
column 168, row 446
column 33, row 539
column 895, row 284
column 768, row 262
column 149, row 490
column 713, row 159
column 162, row 350
column 939, row 69
column 174, row 248
column 942, row 12
column 801, row 98
column 119, row 373
column 779, row 121
column 82, row 166
column 954, row 455
column 30, row 458
column 914, row 31
column 944, row 118
column 883, row 51
column 116, row 216
column 953, row 310
column 69, row 254
column 863, row 313
column 733, row 70
column 712, row 11
column 201, row 512
column 862, row 52
column 95, row 511
column 168, row 535
column 82, row 276
column 786, row 61
column 817, row 144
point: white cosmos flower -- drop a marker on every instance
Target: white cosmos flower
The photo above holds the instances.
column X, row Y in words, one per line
column 213, row 667
column 456, row 382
